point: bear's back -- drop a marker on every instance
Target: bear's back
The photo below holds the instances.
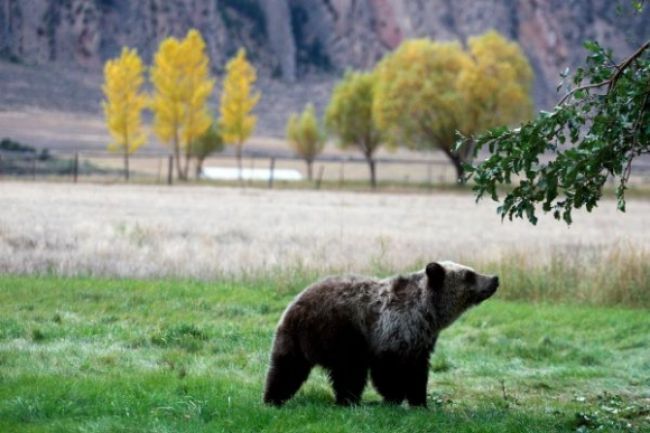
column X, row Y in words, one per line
column 338, row 296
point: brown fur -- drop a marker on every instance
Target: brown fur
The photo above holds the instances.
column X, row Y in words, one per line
column 353, row 325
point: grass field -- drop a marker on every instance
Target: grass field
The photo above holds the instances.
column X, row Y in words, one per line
column 208, row 232
column 104, row 355
column 141, row 308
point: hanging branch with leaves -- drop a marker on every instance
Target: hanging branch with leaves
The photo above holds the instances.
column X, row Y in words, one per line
column 563, row 158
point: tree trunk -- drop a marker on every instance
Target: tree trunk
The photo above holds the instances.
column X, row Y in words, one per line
column 126, row 163
column 239, row 163
column 199, row 167
column 188, row 156
column 177, row 156
column 458, row 164
column 373, row 176
column 460, row 171
column 309, row 169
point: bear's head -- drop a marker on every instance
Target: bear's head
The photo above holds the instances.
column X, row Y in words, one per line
column 454, row 288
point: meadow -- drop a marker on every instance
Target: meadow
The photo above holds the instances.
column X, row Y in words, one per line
column 101, row 355
column 211, row 233
column 207, row 232
column 141, row 308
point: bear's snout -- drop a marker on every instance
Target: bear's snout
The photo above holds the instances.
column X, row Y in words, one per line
column 488, row 288
column 494, row 284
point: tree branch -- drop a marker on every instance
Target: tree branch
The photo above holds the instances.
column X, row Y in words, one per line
column 611, row 81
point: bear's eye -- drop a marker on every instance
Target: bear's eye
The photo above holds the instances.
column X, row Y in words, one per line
column 469, row 277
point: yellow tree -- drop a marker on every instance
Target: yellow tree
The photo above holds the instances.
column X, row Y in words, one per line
column 182, row 83
column 496, row 85
column 123, row 78
column 427, row 91
column 306, row 136
column 417, row 101
column 237, row 102
column 167, row 105
column 349, row 115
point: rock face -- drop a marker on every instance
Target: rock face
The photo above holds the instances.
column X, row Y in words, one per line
column 281, row 40
column 294, row 38
column 357, row 33
column 87, row 32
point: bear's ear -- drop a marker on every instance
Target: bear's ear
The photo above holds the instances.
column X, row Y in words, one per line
column 436, row 275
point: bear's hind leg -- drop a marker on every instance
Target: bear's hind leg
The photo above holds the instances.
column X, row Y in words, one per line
column 287, row 373
column 348, row 382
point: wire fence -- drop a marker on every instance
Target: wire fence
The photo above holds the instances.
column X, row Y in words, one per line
column 93, row 165
column 160, row 168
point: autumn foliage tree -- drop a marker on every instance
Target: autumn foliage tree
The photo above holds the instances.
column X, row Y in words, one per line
column 124, row 102
column 418, row 102
column 167, row 103
column 209, row 142
column 306, row 136
column 182, row 83
column 428, row 91
column 349, row 115
column 496, row 86
column 237, row 102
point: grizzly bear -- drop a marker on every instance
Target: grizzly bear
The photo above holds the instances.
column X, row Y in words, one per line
column 354, row 325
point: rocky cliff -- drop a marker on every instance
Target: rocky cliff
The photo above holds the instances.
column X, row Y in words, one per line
column 295, row 38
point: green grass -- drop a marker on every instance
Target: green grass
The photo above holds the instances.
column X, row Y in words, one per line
column 92, row 355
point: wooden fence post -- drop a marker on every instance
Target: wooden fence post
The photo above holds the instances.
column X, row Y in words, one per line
column 34, row 167
column 75, row 167
column 319, row 178
column 252, row 169
column 271, row 169
column 429, row 175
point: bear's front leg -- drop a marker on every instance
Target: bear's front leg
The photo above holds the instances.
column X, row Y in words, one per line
column 388, row 377
column 417, row 375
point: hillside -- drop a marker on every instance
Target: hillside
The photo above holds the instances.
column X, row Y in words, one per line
column 295, row 38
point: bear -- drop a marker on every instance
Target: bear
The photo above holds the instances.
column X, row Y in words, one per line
column 353, row 325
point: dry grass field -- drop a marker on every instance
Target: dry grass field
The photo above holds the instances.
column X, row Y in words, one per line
column 207, row 232
column 83, row 349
